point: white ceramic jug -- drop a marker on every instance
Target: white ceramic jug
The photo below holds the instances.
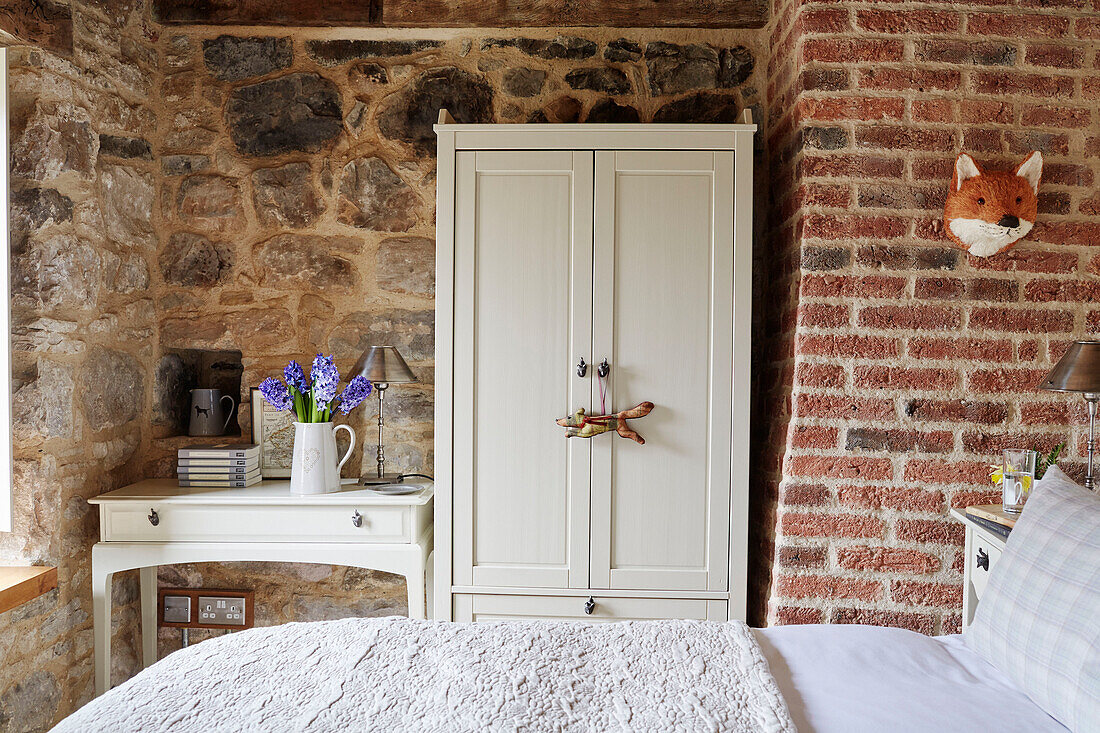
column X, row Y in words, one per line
column 314, row 468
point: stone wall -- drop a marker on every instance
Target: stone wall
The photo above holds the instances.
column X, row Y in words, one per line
column 908, row 364
column 84, row 243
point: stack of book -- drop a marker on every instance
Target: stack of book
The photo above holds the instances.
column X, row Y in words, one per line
column 219, row 466
column 993, row 518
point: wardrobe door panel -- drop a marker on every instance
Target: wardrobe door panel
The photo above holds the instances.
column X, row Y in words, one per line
column 663, row 318
column 523, row 264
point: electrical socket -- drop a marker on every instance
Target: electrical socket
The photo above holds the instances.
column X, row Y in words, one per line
column 228, row 610
column 177, row 609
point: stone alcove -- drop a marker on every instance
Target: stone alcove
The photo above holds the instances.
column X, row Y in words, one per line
column 181, row 370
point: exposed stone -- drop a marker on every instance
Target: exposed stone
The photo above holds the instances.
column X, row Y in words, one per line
column 30, row 705
column 178, row 52
column 179, row 165
column 114, row 388
column 61, row 271
column 366, row 74
column 260, row 328
column 109, row 455
column 675, row 69
column 190, row 130
column 130, row 274
column 314, row 608
column 411, row 331
column 210, row 202
column 700, row 107
column 407, row 265
column 46, row 335
column 125, row 147
column 192, row 260
column 171, row 382
column 562, row 47
column 34, row 209
column 372, row 196
column 334, row 53
column 599, row 79
column 608, row 110
column 230, row 58
column 286, row 196
column 562, row 109
column 49, row 140
column 522, row 81
column 622, row 50
column 44, row 407
column 294, row 112
column 409, row 114
column 126, row 197
column 309, row 260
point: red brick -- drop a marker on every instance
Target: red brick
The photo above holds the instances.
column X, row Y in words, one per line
column 1049, row 54
column 938, row 288
column 1052, row 413
column 963, row 348
column 1027, row 260
column 918, row 593
column 904, row 138
column 793, row 556
column 847, row 467
column 825, row 195
column 891, row 497
column 909, row 79
column 889, row 377
column 795, row 524
column 1090, row 88
column 1061, row 117
column 963, row 499
column 793, row 616
column 980, row 140
column 820, row 315
column 908, row 21
column 939, row 472
column 991, row 444
column 804, row 495
column 852, row 166
column 1073, row 291
column 824, row 20
column 848, row 286
column 1022, row 142
column 1027, row 350
column 989, row 288
column 819, row 375
column 898, row 441
column 985, row 111
column 920, row 622
column 852, row 108
column 849, row 50
column 1022, row 321
column 827, row 587
column 887, row 560
column 868, row 347
column 1010, row 82
column 921, row 317
column 951, row 624
column 814, row 436
column 1000, row 381
column 1064, row 174
column 931, row 531
column 1088, row 27
column 932, row 110
column 1017, row 25
column 845, row 226
column 985, row 413
column 933, row 169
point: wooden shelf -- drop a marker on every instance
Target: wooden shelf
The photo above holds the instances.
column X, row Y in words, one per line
column 22, row 584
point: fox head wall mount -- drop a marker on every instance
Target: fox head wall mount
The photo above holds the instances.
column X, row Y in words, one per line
column 988, row 212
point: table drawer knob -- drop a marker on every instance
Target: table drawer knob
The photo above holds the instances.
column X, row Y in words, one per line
column 983, row 559
column 357, row 519
column 154, row 518
column 590, row 606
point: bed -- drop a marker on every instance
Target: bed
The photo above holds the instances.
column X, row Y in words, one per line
column 1029, row 662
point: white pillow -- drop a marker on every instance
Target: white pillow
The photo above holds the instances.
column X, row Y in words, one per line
column 1039, row 619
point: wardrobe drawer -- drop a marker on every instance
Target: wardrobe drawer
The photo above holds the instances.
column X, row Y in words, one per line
column 152, row 522
column 483, row 607
column 982, row 559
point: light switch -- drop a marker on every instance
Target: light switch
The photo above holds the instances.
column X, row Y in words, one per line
column 177, row 609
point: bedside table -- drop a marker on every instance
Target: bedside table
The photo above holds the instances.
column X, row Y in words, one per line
column 982, row 551
column 157, row 522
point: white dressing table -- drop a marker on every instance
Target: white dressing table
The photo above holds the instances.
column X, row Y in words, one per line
column 157, row 522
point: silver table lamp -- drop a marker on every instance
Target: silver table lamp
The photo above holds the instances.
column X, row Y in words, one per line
column 383, row 366
column 1079, row 371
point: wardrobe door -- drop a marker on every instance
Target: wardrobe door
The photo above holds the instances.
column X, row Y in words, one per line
column 663, row 319
column 523, row 301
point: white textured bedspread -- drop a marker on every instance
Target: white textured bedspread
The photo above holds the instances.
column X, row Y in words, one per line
column 400, row 674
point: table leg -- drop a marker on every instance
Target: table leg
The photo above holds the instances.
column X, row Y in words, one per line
column 414, row 579
column 101, row 625
column 148, row 616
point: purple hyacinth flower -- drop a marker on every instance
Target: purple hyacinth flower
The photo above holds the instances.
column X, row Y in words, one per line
column 325, row 378
column 276, row 394
column 296, row 377
column 357, row 390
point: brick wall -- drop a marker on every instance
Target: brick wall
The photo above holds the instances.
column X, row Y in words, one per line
column 900, row 367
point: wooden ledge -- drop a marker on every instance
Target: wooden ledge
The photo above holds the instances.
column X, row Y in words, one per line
column 20, row 585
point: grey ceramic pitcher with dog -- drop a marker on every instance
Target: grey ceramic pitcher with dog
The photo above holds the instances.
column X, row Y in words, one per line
column 208, row 413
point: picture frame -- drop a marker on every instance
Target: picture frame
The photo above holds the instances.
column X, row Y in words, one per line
column 273, row 431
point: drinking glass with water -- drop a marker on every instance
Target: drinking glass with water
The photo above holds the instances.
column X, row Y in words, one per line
column 1018, row 475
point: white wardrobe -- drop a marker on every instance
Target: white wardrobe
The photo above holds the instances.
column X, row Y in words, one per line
column 562, row 249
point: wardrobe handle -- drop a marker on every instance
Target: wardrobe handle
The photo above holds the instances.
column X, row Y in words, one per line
column 582, row 368
column 590, row 605
column 154, row 518
column 357, row 519
column 604, row 369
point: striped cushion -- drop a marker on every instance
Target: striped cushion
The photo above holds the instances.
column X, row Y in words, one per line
column 1039, row 619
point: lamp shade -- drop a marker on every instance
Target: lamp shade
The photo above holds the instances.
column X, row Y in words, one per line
column 1077, row 371
column 382, row 364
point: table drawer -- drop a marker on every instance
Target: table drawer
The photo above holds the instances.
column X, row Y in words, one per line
column 982, row 559
column 486, row 607
column 183, row 523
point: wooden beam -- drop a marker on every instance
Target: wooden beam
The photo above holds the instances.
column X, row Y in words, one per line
column 542, row 13
column 41, row 23
column 269, row 12
column 21, row 584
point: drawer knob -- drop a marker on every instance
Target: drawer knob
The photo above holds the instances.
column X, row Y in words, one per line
column 357, row 519
column 983, row 559
column 154, row 518
column 590, row 605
